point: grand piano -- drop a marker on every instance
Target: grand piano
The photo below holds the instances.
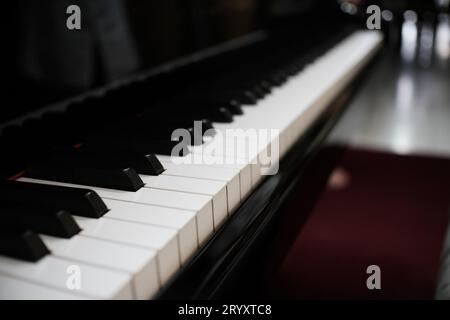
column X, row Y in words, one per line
column 147, row 153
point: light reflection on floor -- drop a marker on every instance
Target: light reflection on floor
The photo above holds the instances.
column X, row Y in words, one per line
column 404, row 106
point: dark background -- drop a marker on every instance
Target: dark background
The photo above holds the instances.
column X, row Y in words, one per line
column 45, row 62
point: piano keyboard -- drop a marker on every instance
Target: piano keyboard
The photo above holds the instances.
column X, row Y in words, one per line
column 129, row 231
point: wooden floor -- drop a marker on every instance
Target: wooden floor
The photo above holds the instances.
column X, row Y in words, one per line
column 404, row 106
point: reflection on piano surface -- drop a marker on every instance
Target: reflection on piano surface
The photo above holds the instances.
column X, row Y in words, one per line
column 94, row 203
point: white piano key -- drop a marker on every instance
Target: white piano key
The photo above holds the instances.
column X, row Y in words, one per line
column 165, row 198
column 139, row 263
column 252, row 148
column 229, row 175
column 200, row 204
column 215, row 189
column 291, row 109
column 14, row 289
column 245, row 175
column 245, row 179
column 163, row 240
column 95, row 282
column 184, row 222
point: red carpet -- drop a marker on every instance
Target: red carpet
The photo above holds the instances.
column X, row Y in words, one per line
column 384, row 209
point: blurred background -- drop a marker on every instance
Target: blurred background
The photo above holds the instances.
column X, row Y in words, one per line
column 378, row 193
column 119, row 37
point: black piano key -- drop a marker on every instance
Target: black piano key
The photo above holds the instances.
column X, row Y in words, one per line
column 81, row 202
column 243, row 97
column 233, row 106
column 58, row 223
column 246, row 97
column 257, row 91
column 150, row 130
column 219, row 114
column 187, row 122
column 154, row 124
column 145, row 164
column 139, row 145
column 278, row 78
column 72, row 172
column 196, row 137
column 147, row 123
column 263, row 86
column 191, row 110
column 149, row 165
column 22, row 244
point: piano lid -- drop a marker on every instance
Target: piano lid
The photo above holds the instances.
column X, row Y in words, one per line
column 48, row 62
